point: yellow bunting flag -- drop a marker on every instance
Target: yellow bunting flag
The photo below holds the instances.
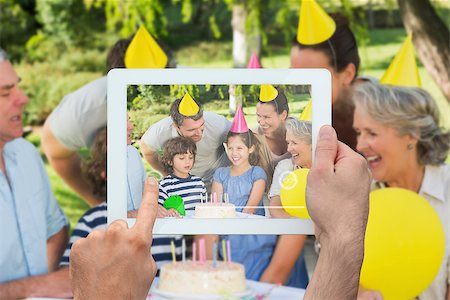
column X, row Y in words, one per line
column 315, row 25
column 267, row 93
column 403, row 69
column 306, row 114
column 144, row 52
column 188, row 107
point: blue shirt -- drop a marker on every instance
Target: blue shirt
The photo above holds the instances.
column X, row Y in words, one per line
column 136, row 176
column 239, row 188
column 29, row 214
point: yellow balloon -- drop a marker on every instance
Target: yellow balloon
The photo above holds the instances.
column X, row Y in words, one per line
column 293, row 193
column 404, row 244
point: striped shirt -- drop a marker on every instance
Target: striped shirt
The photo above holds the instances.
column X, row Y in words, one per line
column 190, row 189
column 95, row 219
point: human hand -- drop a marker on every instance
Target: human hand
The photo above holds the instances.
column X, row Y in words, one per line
column 364, row 294
column 116, row 263
column 248, row 210
column 163, row 212
column 132, row 213
column 337, row 192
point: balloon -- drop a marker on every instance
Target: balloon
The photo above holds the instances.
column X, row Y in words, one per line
column 404, row 244
column 293, row 193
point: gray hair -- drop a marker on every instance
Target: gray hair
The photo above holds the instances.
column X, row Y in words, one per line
column 301, row 129
column 409, row 111
column 3, row 55
column 178, row 118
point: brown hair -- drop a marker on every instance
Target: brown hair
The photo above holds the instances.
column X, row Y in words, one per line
column 178, row 118
column 94, row 168
column 280, row 103
column 178, row 145
column 341, row 48
column 259, row 157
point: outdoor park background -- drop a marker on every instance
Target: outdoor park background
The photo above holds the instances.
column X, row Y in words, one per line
column 59, row 45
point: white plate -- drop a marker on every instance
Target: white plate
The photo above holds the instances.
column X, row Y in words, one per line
column 171, row 295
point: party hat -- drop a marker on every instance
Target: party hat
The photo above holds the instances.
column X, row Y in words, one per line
column 188, row 107
column 144, row 52
column 254, row 62
column 267, row 93
column 403, row 69
column 314, row 25
column 239, row 125
column 306, row 114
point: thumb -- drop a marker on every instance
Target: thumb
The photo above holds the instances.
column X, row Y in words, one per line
column 326, row 150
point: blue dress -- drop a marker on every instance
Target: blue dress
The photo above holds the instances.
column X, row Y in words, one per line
column 239, row 187
column 254, row 251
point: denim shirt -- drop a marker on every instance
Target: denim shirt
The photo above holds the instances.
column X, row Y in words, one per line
column 29, row 214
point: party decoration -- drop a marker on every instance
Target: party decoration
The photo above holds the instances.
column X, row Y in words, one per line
column 254, row 62
column 188, row 107
column 144, row 52
column 403, row 69
column 293, row 193
column 175, row 202
column 306, row 114
column 404, row 244
column 267, row 93
column 239, row 124
column 315, row 25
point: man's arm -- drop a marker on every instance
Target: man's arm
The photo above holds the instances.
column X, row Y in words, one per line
column 66, row 163
column 56, row 245
column 56, row 285
column 337, row 197
column 287, row 251
column 152, row 158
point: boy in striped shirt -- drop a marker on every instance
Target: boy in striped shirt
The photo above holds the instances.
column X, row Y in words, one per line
column 178, row 159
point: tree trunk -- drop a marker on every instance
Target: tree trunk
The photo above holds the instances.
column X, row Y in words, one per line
column 431, row 39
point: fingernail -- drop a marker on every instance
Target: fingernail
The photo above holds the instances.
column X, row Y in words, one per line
column 326, row 132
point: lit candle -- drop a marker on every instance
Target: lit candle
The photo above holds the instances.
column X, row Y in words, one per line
column 194, row 252
column 183, row 249
column 172, row 245
column 229, row 252
column 214, row 254
column 224, row 251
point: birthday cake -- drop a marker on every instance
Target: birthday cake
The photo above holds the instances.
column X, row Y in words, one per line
column 215, row 210
column 202, row 278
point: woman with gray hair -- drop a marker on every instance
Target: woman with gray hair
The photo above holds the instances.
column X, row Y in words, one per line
column 299, row 145
column 399, row 135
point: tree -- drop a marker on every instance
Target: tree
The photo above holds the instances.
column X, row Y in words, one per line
column 431, row 38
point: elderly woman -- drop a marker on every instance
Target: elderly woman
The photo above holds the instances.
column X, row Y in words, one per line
column 299, row 140
column 399, row 135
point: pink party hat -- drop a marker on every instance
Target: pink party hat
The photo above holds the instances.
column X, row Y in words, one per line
column 239, row 125
column 254, row 62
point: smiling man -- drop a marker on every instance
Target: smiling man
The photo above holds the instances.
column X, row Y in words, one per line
column 208, row 131
column 33, row 228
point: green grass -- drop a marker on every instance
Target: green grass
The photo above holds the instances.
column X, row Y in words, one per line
column 375, row 58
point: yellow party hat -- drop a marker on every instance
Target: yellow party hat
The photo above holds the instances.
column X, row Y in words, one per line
column 144, row 52
column 314, row 25
column 267, row 93
column 403, row 69
column 306, row 114
column 188, row 107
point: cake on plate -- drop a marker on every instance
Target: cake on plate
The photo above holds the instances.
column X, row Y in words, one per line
column 215, row 210
column 202, row 278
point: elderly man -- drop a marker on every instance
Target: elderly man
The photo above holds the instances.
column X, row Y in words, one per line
column 208, row 131
column 33, row 228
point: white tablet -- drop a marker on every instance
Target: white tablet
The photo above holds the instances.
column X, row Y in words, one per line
column 316, row 83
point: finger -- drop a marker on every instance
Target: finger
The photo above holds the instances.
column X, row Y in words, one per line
column 326, row 150
column 149, row 207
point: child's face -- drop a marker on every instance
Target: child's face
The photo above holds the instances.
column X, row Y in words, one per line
column 182, row 164
column 237, row 151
